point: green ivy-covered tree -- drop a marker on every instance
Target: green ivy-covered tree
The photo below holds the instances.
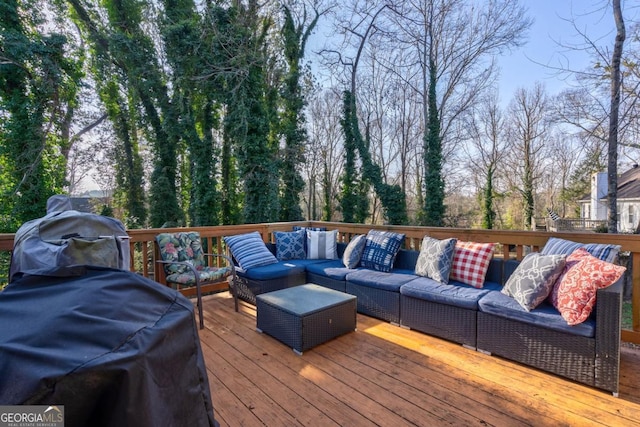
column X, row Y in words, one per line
column 434, row 208
column 354, row 201
column 391, row 196
column 181, row 30
column 129, row 191
column 292, row 119
column 488, row 211
column 238, row 43
column 118, row 99
column 39, row 78
column 123, row 41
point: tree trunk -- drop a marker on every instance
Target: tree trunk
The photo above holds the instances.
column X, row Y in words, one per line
column 612, row 169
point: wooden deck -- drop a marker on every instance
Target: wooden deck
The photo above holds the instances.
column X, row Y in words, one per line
column 385, row 375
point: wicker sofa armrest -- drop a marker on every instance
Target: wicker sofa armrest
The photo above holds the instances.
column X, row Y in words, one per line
column 608, row 313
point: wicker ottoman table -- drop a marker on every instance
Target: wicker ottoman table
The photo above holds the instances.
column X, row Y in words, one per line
column 305, row 316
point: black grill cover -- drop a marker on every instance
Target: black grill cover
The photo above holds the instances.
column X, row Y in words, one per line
column 115, row 348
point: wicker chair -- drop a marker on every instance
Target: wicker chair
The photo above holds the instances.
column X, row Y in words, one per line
column 184, row 265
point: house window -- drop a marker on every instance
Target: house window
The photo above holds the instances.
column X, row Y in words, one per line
column 632, row 219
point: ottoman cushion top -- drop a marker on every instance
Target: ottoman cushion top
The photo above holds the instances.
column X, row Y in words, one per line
column 304, row 299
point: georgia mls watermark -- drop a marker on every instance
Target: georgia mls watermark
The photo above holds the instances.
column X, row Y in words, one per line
column 32, row 416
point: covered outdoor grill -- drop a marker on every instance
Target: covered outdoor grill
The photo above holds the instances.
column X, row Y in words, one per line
column 80, row 331
column 114, row 348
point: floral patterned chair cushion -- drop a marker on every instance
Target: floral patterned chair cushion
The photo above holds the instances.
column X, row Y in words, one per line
column 186, row 248
column 183, row 261
column 207, row 274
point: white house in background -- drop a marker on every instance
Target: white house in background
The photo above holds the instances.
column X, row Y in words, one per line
column 594, row 206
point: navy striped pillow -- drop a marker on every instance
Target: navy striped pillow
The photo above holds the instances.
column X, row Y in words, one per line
column 249, row 250
column 557, row 246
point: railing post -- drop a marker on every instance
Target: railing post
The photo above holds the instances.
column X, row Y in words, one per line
column 635, row 296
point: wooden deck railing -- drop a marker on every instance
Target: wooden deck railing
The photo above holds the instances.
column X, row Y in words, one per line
column 575, row 224
column 511, row 244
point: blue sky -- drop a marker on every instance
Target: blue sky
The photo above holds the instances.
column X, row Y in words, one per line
column 525, row 66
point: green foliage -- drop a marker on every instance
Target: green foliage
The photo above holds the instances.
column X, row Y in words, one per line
column 5, row 264
column 230, row 197
column 392, row 197
column 193, row 99
column 327, row 206
column 118, row 101
column 240, row 45
column 528, row 200
column 122, row 47
column 580, row 181
column 602, row 228
column 39, row 81
column 205, row 200
column 354, row 202
column 488, row 212
column 129, row 191
column 174, row 80
column 106, row 210
column 433, row 208
column 292, row 119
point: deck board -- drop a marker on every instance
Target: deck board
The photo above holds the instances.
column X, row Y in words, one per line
column 385, row 375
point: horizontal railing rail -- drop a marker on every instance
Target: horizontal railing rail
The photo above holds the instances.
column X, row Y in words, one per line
column 510, row 244
column 575, row 224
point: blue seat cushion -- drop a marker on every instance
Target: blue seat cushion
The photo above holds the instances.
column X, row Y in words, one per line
column 272, row 271
column 379, row 279
column 306, row 263
column 333, row 269
column 454, row 293
column 544, row 315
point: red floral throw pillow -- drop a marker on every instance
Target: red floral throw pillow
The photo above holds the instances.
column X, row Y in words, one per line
column 470, row 262
column 574, row 294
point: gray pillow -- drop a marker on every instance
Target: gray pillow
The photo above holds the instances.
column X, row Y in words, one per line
column 533, row 279
column 435, row 258
column 557, row 246
column 353, row 251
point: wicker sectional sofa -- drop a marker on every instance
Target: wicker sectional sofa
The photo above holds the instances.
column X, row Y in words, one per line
column 484, row 319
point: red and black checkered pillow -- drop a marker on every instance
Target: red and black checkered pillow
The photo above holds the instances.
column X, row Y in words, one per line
column 470, row 262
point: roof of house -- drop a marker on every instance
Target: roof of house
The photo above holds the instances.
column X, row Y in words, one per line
column 628, row 185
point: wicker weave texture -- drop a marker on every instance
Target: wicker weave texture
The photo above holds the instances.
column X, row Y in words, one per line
column 594, row 361
column 445, row 321
column 376, row 303
column 307, row 331
column 568, row 355
column 608, row 336
column 327, row 282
